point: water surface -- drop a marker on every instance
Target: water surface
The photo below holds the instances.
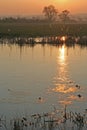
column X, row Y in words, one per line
column 37, row 79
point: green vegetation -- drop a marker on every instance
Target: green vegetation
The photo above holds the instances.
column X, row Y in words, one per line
column 16, row 29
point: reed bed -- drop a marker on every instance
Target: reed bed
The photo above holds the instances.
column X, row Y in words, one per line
column 55, row 120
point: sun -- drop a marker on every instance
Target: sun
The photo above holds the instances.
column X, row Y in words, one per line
column 62, row 1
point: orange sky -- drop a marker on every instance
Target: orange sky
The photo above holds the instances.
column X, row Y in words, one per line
column 29, row 7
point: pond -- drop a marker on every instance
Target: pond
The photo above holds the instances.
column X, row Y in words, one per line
column 40, row 78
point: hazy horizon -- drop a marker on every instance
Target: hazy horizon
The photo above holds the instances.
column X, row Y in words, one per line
column 35, row 7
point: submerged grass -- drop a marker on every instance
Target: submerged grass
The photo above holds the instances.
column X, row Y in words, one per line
column 41, row 29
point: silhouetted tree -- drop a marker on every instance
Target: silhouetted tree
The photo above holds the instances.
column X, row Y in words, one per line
column 50, row 12
column 64, row 16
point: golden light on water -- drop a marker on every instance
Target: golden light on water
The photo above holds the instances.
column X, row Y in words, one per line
column 65, row 102
column 62, row 84
column 62, row 53
column 63, row 38
column 64, row 89
column 62, row 67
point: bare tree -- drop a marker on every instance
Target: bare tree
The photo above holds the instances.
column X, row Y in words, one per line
column 50, row 12
column 64, row 16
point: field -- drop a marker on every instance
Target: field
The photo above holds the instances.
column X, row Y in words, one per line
column 14, row 29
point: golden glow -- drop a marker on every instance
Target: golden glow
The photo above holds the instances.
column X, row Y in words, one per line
column 28, row 7
column 61, row 60
column 62, row 53
column 62, row 84
column 75, row 98
column 63, row 38
column 72, row 97
column 62, row 1
column 65, row 102
column 64, row 89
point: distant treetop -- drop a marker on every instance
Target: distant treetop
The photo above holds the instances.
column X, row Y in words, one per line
column 50, row 12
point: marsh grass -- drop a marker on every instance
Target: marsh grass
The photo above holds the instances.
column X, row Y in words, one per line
column 49, row 121
column 41, row 29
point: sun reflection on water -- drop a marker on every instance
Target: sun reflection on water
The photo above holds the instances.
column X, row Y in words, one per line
column 62, row 54
column 63, row 38
column 62, row 88
column 62, row 82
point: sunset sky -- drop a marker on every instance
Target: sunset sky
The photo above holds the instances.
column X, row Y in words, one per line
column 31, row 7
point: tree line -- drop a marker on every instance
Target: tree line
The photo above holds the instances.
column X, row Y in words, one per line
column 50, row 14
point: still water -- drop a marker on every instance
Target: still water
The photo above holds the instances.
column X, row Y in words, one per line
column 40, row 78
